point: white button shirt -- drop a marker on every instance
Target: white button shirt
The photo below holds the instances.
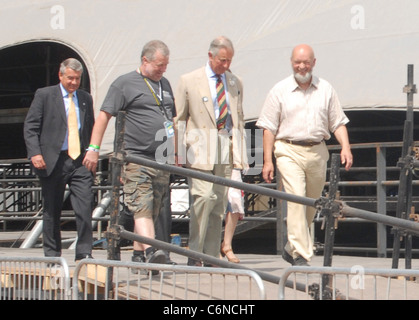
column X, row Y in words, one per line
column 291, row 113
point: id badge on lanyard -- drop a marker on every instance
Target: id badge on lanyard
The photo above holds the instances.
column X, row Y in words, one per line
column 170, row 131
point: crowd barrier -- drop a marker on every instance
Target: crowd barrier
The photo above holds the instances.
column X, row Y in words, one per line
column 134, row 281
column 355, row 283
column 24, row 278
column 29, row 278
column 42, row 278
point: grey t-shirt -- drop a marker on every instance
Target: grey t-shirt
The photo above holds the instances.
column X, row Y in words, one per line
column 144, row 120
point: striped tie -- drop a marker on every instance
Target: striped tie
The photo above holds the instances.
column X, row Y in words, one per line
column 222, row 104
column 73, row 130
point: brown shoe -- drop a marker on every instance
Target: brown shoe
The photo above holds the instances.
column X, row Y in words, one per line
column 231, row 257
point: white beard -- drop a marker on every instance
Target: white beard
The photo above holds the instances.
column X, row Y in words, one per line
column 303, row 78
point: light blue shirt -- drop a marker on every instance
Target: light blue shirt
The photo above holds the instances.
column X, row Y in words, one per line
column 212, row 80
column 67, row 106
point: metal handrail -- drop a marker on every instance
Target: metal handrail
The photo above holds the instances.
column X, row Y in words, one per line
column 346, row 210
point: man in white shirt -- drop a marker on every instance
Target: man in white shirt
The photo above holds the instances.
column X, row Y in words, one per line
column 298, row 115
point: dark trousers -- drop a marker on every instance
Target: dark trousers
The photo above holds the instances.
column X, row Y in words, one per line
column 80, row 181
column 163, row 225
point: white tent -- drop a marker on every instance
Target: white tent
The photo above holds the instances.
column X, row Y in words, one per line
column 362, row 47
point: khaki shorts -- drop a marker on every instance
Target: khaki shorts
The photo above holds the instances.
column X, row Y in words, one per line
column 144, row 189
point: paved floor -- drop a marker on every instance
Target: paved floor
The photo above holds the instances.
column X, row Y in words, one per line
column 275, row 266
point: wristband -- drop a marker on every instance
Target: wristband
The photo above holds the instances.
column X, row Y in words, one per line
column 94, row 146
column 92, row 149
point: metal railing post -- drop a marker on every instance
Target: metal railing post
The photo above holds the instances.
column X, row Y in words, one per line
column 404, row 202
column 330, row 214
column 381, row 201
column 116, row 166
column 330, row 211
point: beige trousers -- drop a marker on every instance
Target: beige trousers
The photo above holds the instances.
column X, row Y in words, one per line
column 208, row 205
column 303, row 173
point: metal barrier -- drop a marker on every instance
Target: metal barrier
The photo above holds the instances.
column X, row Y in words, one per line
column 357, row 282
column 24, row 278
column 135, row 281
column 34, row 279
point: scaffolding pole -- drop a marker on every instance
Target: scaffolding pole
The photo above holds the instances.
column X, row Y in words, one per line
column 406, row 164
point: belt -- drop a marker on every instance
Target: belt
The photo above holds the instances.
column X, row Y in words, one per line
column 304, row 143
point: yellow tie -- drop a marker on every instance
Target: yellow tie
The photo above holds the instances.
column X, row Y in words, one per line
column 73, row 131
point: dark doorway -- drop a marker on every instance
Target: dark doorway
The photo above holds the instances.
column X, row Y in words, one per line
column 23, row 69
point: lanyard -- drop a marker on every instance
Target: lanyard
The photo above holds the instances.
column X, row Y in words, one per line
column 159, row 100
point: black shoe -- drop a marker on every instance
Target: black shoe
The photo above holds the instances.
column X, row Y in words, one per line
column 287, row 257
column 138, row 259
column 194, row 263
column 51, row 265
column 168, row 260
column 210, row 265
column 156, row 257
column 301, row 262
column 83, row 256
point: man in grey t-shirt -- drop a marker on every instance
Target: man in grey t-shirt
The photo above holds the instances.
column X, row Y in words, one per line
column 144, row 121
column 147, row 99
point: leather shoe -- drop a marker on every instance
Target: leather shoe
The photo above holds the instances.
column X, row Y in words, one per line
column 301, row 262
column 287, row 257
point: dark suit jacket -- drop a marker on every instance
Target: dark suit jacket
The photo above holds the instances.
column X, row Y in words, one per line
column 46, row 125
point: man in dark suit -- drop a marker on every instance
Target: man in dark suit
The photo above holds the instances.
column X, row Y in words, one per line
column 46, row 137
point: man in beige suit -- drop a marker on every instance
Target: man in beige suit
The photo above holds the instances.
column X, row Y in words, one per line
column 210, row 140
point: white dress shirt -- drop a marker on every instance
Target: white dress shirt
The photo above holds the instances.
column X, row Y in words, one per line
column 291, row 113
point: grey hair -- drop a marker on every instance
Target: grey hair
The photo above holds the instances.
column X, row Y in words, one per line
column 71, row 63
column 219, row 43
column 151, row 47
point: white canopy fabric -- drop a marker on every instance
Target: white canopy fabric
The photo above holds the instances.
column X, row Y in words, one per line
column 362, row 47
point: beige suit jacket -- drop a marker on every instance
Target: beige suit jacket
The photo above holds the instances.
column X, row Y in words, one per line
column 195, row 123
